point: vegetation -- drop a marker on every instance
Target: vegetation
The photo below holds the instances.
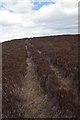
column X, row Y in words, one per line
column 55, row 62
column 13, row 67
column 61, row 80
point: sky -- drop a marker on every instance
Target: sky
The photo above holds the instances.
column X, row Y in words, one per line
column 31, row 18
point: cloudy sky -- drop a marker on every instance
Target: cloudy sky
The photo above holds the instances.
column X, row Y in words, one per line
column 28, row 18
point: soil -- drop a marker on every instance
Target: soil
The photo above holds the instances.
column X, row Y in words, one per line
column 35, row 100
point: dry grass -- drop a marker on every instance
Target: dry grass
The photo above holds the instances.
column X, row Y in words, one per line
column 13, row 67
column 62, row 53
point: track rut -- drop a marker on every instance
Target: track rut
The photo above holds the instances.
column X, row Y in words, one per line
column 35, row 100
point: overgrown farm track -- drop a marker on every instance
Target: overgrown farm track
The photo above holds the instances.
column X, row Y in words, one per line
column 35, row 101
column 41, row 81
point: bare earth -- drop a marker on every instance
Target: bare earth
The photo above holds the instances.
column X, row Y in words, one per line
column 35, row 100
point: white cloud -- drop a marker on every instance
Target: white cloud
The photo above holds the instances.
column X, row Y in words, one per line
column 19, row 6
column 9, row 18
column 17, row 19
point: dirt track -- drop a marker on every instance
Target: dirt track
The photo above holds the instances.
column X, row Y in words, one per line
column 35, row 100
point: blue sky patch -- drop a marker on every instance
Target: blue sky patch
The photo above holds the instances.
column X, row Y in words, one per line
column 38, row 5
column 1, row 5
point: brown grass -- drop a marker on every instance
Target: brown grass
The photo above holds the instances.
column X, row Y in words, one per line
column 62, row 53
column 13, row 67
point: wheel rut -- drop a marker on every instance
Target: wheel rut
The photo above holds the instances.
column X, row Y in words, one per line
column 35, row 100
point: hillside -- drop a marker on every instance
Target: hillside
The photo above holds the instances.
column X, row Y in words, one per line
column 40, row 77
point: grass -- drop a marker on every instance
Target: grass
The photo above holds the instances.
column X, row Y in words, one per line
column 13, row 67
column 62, row 53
